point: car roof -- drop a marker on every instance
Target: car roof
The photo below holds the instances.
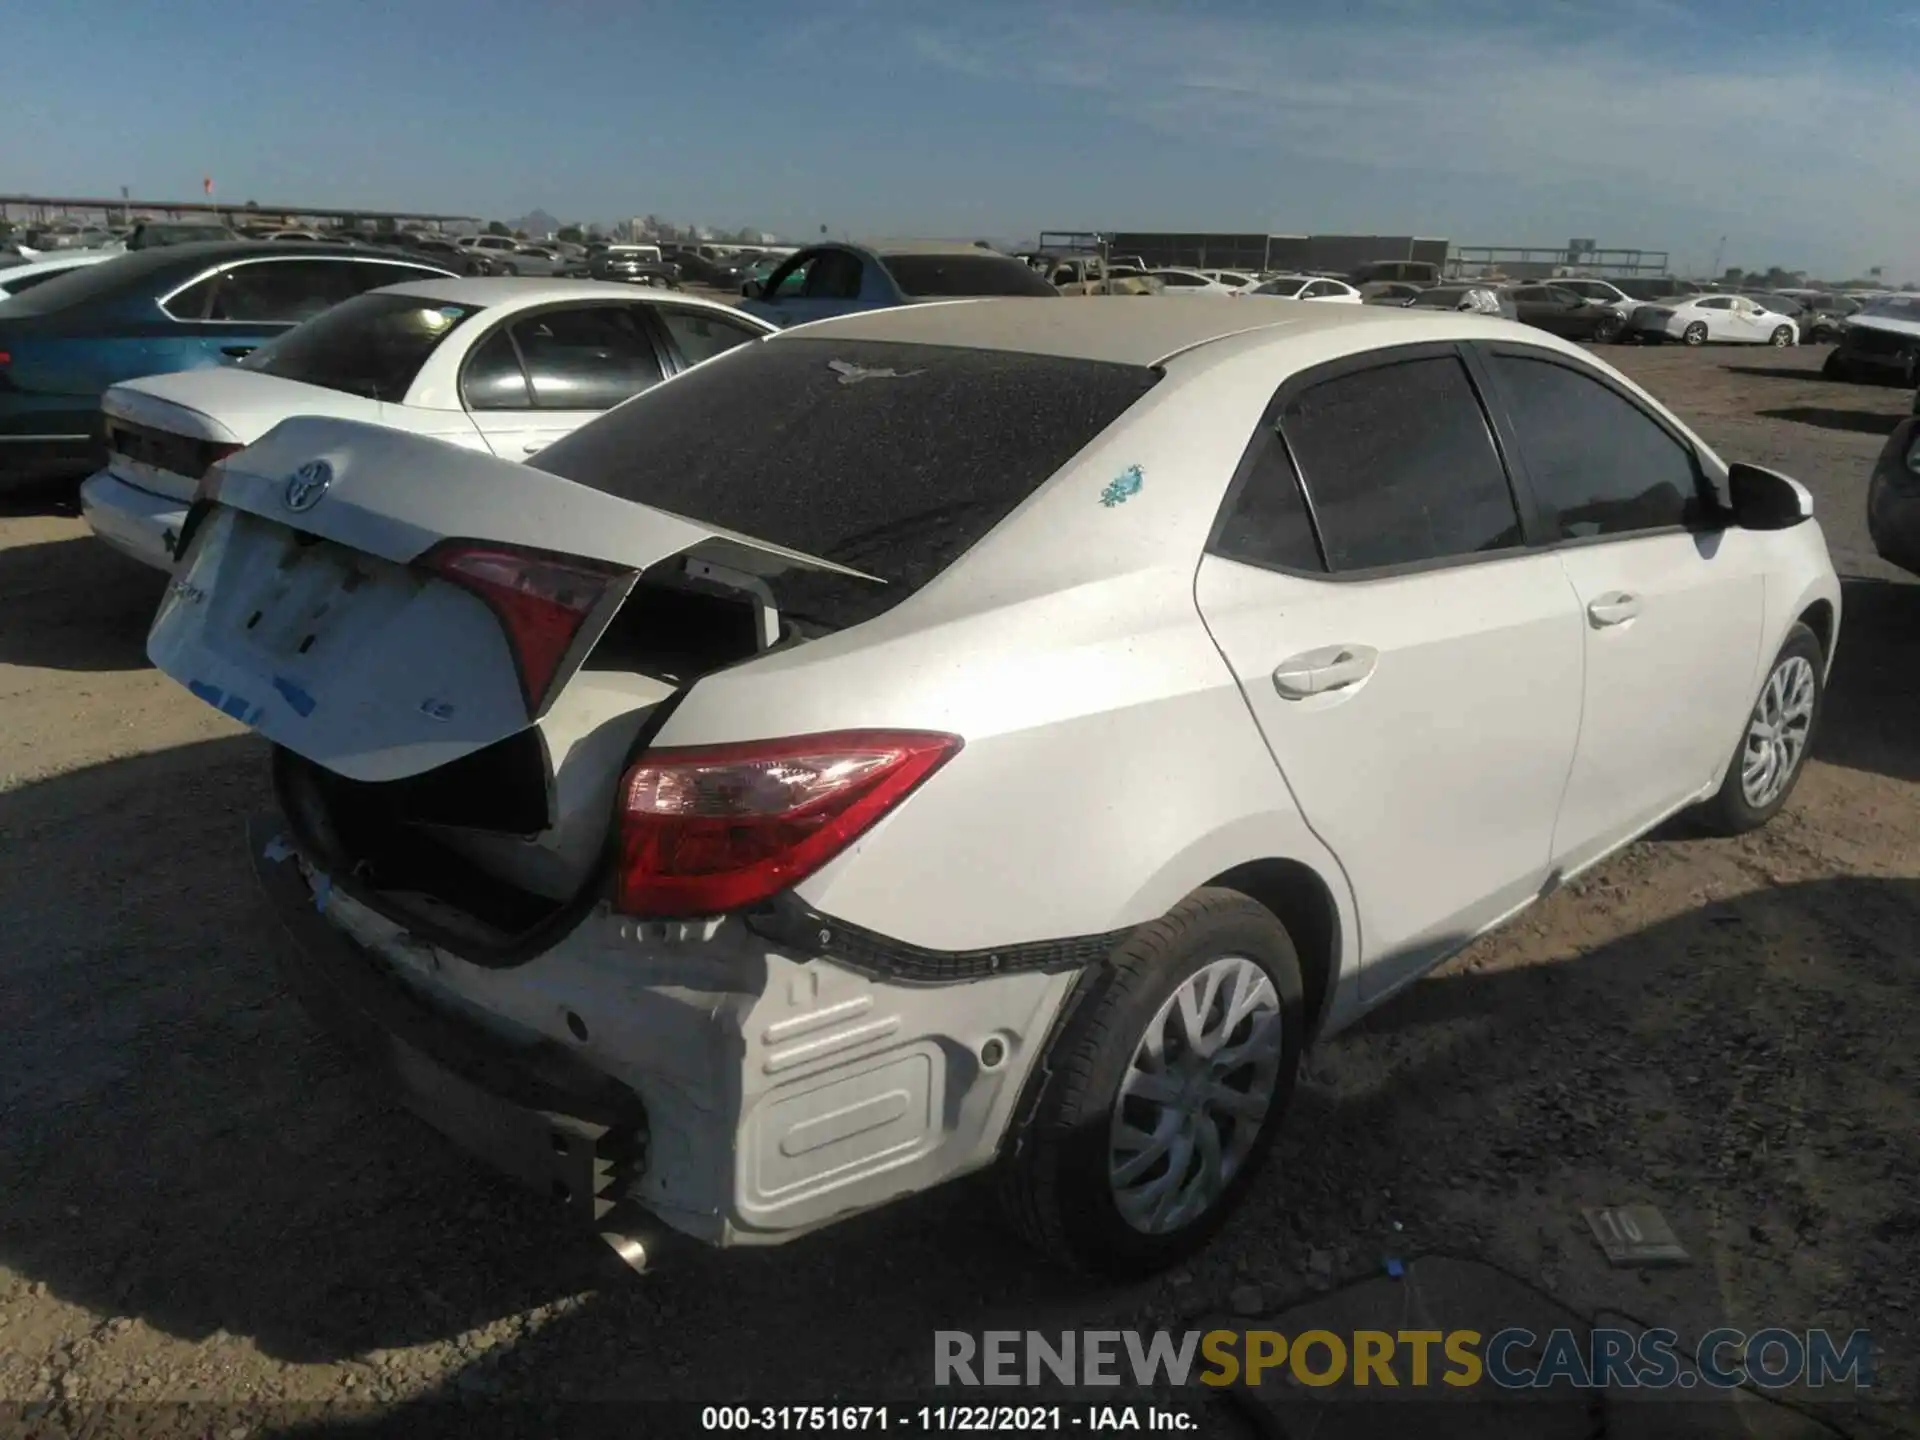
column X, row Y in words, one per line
column 531, row 290
column 1122, row 329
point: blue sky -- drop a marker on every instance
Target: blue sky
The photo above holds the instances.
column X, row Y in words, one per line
column 1664, row 124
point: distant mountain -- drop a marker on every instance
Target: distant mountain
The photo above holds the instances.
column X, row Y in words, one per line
column 536, row 223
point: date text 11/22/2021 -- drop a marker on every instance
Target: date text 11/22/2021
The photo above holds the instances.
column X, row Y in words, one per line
column 948, row 1419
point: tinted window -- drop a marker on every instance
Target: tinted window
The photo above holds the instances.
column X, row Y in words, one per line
column 895, row 475
column 1598, row 464
column 1401, row 466
column 371, row 345
column 492, row 378
column 1720, row 302
column 1441, row 298
column 832, row 275
column 963, row 275
column 1286, row 288
column 699, row 334
column 1266, row 522
column 589, row 359
column 1175, row 279
column 278, row 291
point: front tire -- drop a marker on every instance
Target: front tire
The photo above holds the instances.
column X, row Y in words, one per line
column 1782, row 336
column 1161, row 1094
column 1695, row 334
column 1834, row 368
column 1609, row 328
column 1773, row 748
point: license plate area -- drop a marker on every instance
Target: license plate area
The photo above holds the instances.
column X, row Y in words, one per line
column 295, row 600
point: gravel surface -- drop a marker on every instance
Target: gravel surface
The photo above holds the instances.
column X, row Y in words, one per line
column 203, row 1202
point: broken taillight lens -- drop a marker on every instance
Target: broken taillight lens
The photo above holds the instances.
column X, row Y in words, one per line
column 710, row 829
column 540, row 600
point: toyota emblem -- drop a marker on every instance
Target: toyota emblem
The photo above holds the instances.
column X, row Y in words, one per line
column 308, row 484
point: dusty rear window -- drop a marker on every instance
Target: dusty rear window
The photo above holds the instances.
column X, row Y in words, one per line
column 889, row 459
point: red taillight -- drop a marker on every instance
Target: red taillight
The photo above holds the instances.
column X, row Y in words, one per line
column 710, row 829
column 540, row 600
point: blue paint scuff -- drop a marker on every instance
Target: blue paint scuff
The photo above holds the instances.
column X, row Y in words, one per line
column 299, row 699
column 1123, row 487
column 226, row 702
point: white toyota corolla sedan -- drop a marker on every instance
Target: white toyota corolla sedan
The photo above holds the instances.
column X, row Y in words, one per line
column 980, row 734
column 503, row 366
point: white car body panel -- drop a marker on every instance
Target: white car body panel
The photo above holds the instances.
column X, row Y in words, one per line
column 1124, row 744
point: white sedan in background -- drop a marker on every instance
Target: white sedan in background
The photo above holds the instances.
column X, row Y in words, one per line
column 16, row 278
column 1697, row 319
column 1306, row 287
column 503, row 366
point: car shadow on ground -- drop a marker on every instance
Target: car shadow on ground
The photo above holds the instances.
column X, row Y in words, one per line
column 41, row 497
column 1775, row 372
column 74, row 604
column 1871, row 719
column 186, row 1149
column 1860, row 422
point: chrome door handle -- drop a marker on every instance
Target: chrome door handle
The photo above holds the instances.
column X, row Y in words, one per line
column 1613, row 609
column 1316, row 672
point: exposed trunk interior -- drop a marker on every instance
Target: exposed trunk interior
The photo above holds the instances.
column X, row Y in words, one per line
column 497, row 845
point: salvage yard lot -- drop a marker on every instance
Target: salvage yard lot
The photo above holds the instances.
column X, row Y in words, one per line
column 202, row 1201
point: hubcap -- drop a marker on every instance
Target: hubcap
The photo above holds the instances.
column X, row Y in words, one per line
column 1781, row 337
column 1195, row 1095
column 1777, row 734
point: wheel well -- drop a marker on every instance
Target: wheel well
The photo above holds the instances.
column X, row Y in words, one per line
column 1818, row 617
column 1301, row 901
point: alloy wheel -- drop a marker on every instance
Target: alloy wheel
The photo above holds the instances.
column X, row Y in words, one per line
column 1694, row 334
column 1195, row 1095
column 1782, row 336
column 1777, row 734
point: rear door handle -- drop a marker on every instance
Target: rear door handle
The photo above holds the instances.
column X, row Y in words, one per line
column 1613, row 609
column 1316, row 672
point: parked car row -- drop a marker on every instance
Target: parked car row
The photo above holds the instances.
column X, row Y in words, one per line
column 608, row 782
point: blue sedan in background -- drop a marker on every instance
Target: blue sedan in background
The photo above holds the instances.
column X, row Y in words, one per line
column 149, row 312
column 838, row 279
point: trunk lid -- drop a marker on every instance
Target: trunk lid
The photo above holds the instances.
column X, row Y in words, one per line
column 299, row 608
column 164, row 431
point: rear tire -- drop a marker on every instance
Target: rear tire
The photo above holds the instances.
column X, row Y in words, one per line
column 1079, row 1178
column 1609, row 328
column 1834, row 368
column 1695, row 334
column 1775, row 741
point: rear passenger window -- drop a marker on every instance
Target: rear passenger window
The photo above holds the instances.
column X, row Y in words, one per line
column 1266, row 522
column 700, row 335
column 1599, row 465
column 588, row 359
column 1400, row 466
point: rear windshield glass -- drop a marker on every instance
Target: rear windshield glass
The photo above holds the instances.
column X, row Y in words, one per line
column 964, row 275
column 1894, row 307
column 889, row 459
column 371, row 345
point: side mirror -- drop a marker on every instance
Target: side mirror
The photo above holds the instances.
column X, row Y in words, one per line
column 1766, row 499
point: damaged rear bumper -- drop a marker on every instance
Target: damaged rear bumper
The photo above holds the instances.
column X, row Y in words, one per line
column 737, row 1090
column 535, row 1114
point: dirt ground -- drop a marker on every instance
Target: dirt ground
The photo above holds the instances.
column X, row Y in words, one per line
column 202, row 1200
